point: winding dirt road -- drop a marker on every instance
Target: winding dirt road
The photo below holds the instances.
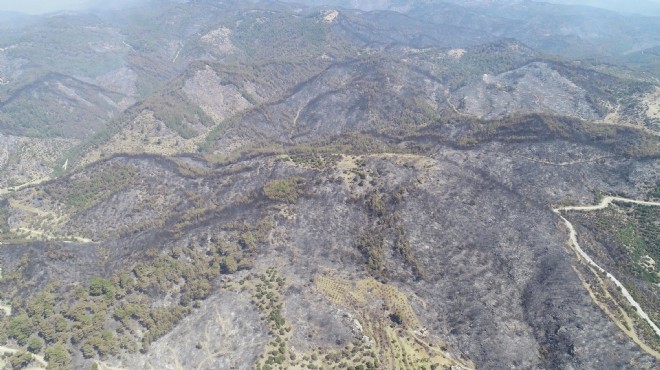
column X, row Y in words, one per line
column 567, row 163
column 576, row 246
column 4, row 191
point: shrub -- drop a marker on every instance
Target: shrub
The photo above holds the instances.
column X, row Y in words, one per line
column 19, row 360
column 57, row 357
column 100, row 286
column 229, row 265
column 287, row 190
column 396, row 318
column 248, row 242
column 35, row 344
column 20, row 328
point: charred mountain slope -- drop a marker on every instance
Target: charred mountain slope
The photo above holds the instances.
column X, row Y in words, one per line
column 458, row 244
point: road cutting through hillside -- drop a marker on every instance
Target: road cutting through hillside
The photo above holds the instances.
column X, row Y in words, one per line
column 567, row 163
column 4, row 191
column 176, row 56
column 576, row 246
column 39, row 234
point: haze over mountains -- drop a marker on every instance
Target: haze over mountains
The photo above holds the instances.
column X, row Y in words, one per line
column 219, row 184
column 643, row 7
column 36, row 7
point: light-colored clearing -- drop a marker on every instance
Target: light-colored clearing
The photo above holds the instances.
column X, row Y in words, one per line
column 6, row 309
column 403, row 346
column 330, row 16
column 652, row 103
column 456, row 53
column 346, row 166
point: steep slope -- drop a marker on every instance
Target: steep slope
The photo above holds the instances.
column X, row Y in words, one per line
column 466, row 255
column 58, row 106
column 556, row 88
column 131, row 62
column 219, row 107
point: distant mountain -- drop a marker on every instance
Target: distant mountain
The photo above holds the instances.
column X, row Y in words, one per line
column 578, row 31
column 567, row 30
column 11, row 20
column 641, row 7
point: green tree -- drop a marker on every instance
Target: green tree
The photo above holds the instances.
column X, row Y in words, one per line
column 35, row 344
column 19, row 360
column 87, row 349
column 287, row 190
column 20, row 328
column 248, row 241
column 58, row 357
column 100, row 286
column 229, row 265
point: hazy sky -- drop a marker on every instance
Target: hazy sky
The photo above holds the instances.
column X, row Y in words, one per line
column 48, row 6
column 41, row 6
column 646, row 7
column 621, row 3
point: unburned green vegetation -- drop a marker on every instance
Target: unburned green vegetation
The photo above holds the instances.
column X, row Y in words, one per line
column 641, row 237
column 627, row 244
column 80, row 193
column 4, row 225
column 392, row 335
column 56, row 114
column 280, row 35
column 287, row 190
column 655, row 193
column 280, row 354
column 107, row 316
column 177, row 112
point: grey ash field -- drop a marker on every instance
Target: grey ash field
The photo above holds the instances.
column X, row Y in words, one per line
column 270, row 185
